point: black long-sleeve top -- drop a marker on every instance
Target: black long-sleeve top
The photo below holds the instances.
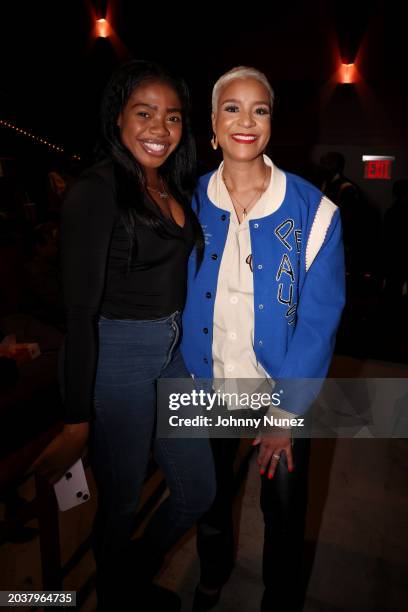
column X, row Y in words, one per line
column 96, row 281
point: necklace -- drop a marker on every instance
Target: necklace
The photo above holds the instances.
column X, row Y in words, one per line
column 245, row 209
column 162, row 193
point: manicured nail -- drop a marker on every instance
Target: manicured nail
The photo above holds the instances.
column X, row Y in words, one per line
column 270, row 476
column 291, row 469
column 262, row 471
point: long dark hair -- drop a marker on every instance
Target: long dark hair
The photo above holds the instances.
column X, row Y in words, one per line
column 179, row 168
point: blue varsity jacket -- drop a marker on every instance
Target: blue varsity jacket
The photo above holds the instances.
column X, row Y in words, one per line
column 299, row 284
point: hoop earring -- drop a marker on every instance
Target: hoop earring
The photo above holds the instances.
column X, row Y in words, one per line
column 214, row 142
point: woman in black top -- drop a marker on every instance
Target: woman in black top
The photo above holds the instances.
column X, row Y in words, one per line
column 126, row 234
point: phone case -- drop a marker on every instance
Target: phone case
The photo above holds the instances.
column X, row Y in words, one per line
column 72, row 489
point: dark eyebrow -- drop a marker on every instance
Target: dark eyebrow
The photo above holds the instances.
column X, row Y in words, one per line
column 154, row 107
column 238, row 101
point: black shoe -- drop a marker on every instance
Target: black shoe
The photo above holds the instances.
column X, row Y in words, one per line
column 205, row 601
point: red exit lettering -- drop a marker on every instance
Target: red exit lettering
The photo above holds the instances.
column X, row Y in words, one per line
column 378, row 169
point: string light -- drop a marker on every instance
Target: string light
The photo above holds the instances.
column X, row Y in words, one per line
column 35, row 138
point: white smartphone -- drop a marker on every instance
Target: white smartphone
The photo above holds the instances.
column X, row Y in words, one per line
column 72, row 489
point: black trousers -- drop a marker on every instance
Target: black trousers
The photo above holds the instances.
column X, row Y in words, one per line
column 283, row 503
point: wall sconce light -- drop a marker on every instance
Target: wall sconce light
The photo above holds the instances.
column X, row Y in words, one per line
column 347, row 74
column 102, row 28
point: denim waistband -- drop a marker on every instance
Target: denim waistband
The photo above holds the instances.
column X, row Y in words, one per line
column 174, row 316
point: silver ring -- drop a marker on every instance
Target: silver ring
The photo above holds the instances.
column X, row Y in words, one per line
column 276, row 456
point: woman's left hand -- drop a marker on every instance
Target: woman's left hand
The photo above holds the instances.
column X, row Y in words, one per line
column 270, row 449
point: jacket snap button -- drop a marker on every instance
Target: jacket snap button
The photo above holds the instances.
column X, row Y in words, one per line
column 205, row 330
column 214, row 256
column 208, row 294
column 223, row 217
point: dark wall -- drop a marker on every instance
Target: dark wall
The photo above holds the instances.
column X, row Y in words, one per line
column 56, row 69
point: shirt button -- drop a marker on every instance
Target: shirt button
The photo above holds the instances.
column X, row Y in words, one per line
column 214, row 256
column 260, row 306
column 233, row 335
column 223, row 217
column 208, row 294
column 230, row 367
column 234, row 299
column 205, row 330
column 260, row 267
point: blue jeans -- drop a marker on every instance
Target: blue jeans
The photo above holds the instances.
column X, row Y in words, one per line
column 132, row 356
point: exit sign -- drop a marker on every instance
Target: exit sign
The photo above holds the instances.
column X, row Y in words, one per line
column 378, row 166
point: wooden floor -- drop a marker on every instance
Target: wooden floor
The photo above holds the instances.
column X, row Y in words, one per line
column 357, row 528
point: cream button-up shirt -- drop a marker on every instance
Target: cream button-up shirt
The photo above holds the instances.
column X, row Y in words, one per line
column 235, row 366
column 233, row 332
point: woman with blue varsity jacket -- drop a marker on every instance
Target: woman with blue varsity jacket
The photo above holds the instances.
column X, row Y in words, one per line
column 264, row 304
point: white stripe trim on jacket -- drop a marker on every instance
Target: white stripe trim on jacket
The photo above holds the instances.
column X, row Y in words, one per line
column 321, row 223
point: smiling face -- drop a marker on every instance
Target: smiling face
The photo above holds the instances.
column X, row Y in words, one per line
column 151, row 123
column 242, row 120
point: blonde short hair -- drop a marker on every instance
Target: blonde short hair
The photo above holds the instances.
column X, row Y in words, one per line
column 240, row 72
